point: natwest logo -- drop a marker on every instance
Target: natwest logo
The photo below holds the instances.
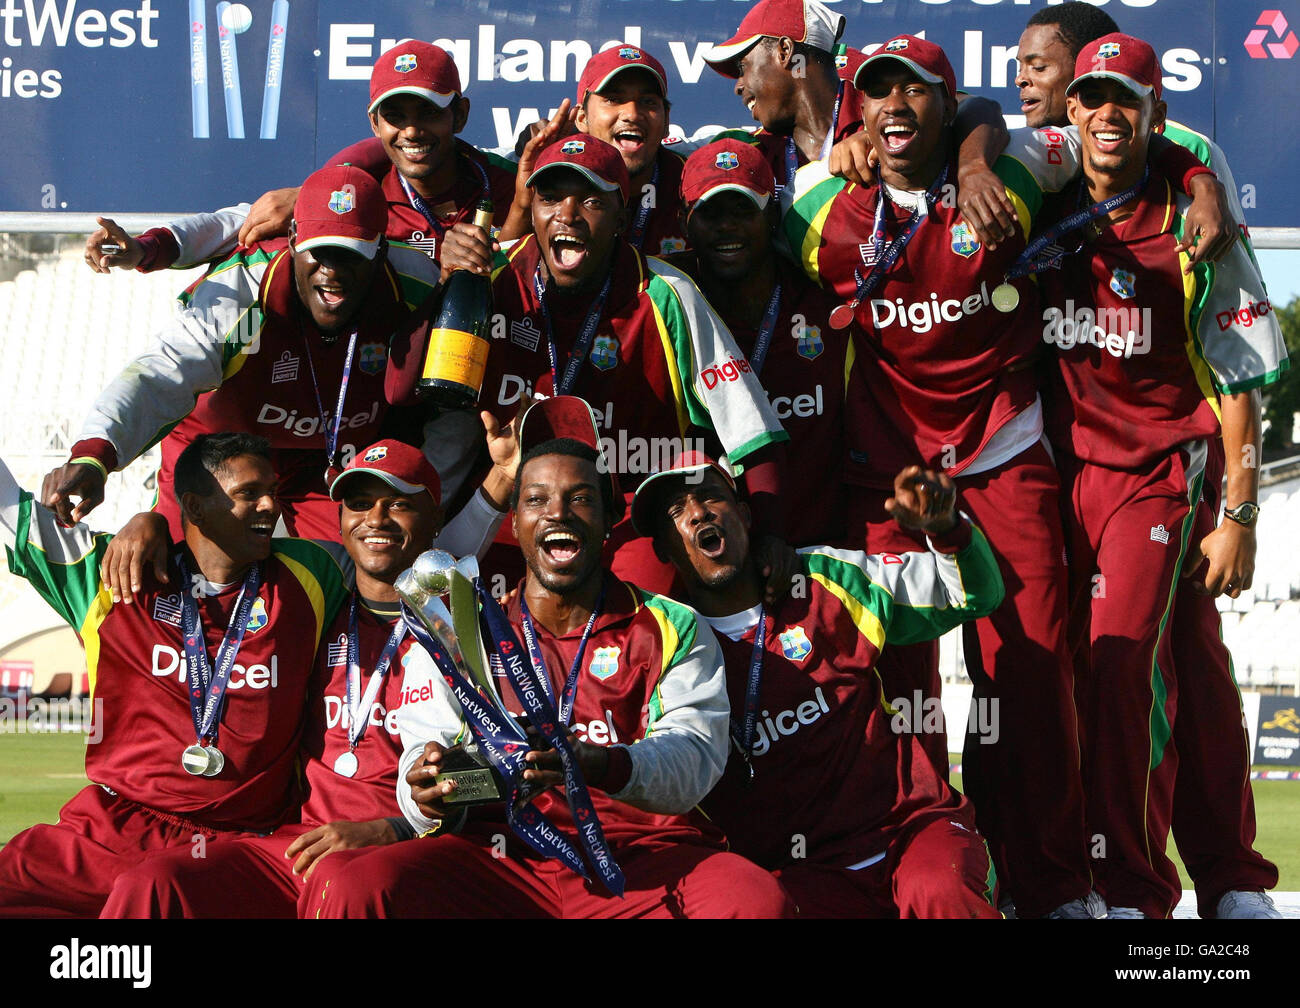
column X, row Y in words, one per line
column 1283, row 48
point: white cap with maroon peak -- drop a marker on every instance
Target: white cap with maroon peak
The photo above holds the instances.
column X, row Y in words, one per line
column 805, row 21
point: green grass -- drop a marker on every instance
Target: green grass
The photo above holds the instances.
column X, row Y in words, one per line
column 38, row 773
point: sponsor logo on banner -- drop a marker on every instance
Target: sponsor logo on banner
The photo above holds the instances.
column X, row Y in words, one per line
column 342, row 200
column 1160, row 534
column 604, row 352
column 372, row 358
column 628, row 53
column 604, row 662
column 727, row 160
column 526, row 333
column 1108, row 50
column 963, row 240
column 1278, row 737
column 573, row 147
column 285, row 369
column 795, row 644
column 336, row 653
column 404, row 63
column 809, row 343
column 257, row 618
column 167, row 609
column 1256, row 42
column 1121, row 282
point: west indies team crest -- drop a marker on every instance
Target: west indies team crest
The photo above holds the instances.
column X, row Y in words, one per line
column 896, row 45
column 404, row 63
column 808, row 342
column 372, row 358
column 604, row 352
column 628, row 53
column 963, row 240
column 604, row 662
column 727, row 160
column 1108, row 50
column 257, row 616
column 795, row 644
column 572, row 147
column 1121, row 282
column 342, row 200
column 375, row 454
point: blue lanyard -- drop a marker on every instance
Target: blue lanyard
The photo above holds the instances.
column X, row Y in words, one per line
column 764, row 340
column 423, row 210
column 565, row 708
column 207, row 684
column 743, row 734
column 563, row 383
column 637, row 235
column 331, row 429
column 355, row 703
column 1043, row 252
column 791, row 153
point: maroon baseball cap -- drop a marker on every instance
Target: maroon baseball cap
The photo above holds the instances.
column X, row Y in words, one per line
column 568, row 417
column 925, row 59
column 727, row 166
column 609, row 63
column 400, row 465
column 804, row 21
column 415, row 68
column 598, row 162
column 342, row 206
column 689, row 463
column 847, row 62
column 1122, row 58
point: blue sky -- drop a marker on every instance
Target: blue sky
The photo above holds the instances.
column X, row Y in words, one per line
column 1281, row 269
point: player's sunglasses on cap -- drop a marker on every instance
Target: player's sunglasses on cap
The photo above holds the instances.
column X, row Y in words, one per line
column 1122, row 58
column 341, row 206
column 726, row 166
column 568, row 417
column 402, row 466
column 598, row 162
column 925, row 59
column 688, row 464
column 415, row 68
column 804, row 21
column 607, row 64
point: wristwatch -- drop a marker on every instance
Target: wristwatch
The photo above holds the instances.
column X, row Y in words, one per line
column 1244, row 513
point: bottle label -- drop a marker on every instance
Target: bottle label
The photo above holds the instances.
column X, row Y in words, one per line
column 456, row 356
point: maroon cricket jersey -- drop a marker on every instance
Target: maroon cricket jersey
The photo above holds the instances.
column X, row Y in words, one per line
column 370, row 793
column 665, row 228
column 1129, row 379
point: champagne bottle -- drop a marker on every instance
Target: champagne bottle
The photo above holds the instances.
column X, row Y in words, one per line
column 456, row 359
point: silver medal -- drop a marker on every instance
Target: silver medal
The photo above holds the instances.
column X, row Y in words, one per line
column 195, row 760
column 346, row 764
column 216, row 761
column 1005, row 297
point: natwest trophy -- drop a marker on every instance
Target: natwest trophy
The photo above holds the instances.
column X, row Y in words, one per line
column 455, row 640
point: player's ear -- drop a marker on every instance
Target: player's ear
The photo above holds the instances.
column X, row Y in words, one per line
column 785, row 50
column 374, row 122
column 746, row 516
column 293, row 234
column 949, row 109
column 460, row 114
column 1072, row 108
column 1158, row 113
column 193, row 508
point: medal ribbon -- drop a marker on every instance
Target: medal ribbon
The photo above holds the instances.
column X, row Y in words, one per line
column 1042, row 253
column 536, row 700
column 791, row 152
column 637, row 235
column 207, row 684
column 565, row 709
column 764, row 340
column 885, row 260
column 563, row 383
column 504, row 743
column 743, row 734
column 355, row 733
column 423, row 210
column 332, row 434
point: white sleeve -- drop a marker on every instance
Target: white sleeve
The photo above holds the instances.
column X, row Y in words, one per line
column 684, row 751
column 203, row 237
column 1052, row 155
column 161, row 386
column 431, row 714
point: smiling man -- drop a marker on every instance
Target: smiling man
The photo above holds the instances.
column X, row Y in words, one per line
column 288, row 342
column 584, row 313
column 236, row 626
column 1152, row 367
column 646, row 710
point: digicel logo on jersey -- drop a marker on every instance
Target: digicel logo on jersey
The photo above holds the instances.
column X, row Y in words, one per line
column 306, row 426
column 807, row 405
column 787, row 722
column 922, row 316
column 168, row 661
column 336, row 715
